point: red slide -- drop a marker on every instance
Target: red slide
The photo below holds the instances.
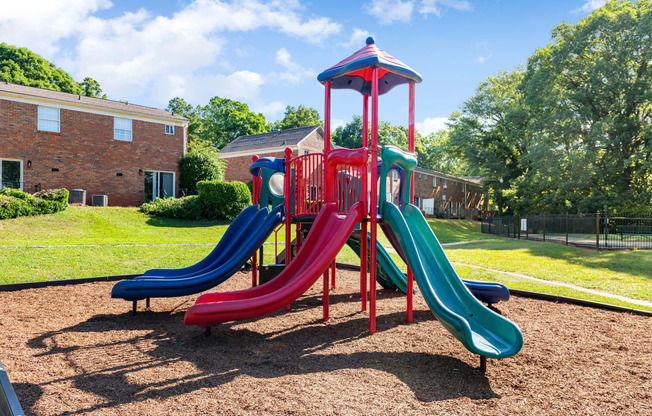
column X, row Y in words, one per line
column 325, row 239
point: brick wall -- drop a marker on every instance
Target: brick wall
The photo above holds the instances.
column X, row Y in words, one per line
column 424, row 188
column 237, row 168
column 85, row 153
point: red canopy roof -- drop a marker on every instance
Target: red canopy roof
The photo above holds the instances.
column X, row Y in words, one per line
column 354, row 72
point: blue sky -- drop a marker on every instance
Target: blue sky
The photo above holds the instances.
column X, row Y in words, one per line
column 268, row 53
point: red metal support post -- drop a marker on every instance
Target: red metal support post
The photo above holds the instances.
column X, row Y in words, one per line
column 364, row 240
column 287, row 189
column 327, row 147
column 255, row 196
column 410, row 275
column 373, row 208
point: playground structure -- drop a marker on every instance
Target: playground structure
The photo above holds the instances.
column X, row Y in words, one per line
column 335, row 191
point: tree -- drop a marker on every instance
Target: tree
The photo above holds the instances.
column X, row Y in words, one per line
column 297, row 117
column 591, row 92
column 489, row 134
column 180, row 107
column 21, row 66
column 91, row 88
column 439, row 157
column 224, row 120
column 200, row 165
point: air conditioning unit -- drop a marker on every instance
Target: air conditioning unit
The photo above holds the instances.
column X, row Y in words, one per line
column 77, row 196
column 100, row 200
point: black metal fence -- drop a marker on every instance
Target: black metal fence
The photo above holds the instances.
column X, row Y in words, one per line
column 598, row 231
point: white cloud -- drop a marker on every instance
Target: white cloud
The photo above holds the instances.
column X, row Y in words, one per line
column 483, row 59
column 431, row 125
column 390, row 11
column 295, row 73
column 589, row 6
column 435, row 6
column 40, row 24
column 483, row 48
column 139, row 55
column 337, row 122
column 357, row 38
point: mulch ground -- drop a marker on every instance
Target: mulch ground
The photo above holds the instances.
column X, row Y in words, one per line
column 72, row 350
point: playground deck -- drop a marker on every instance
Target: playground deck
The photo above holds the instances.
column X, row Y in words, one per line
column 73, row 350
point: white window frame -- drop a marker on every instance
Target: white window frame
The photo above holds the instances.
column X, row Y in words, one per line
column 21, row 170
column 169, row 129
column 434, row 181
column 120, row 129
column 155, row 183
column 445, row 185
column 47, row 118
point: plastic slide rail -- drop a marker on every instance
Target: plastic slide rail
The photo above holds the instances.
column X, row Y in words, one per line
column 241, row 240
column 480, row 330
column 325, row 239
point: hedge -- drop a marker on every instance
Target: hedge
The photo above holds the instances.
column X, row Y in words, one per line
column 16, row 203
column 217, row 200
column 223, row 200
column 200, row 165
column 186, row 208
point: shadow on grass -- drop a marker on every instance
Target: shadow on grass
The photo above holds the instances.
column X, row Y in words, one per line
column 635, row 263
column 178, row 223
column 234, row 351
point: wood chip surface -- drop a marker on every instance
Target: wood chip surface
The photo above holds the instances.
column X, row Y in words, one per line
column 72, row 350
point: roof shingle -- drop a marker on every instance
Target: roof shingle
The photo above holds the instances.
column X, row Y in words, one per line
column 90, row 102
column 274, row 139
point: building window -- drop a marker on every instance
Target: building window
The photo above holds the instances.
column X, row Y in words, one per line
column 169, row 129
column 159, row 185
column 434, row 181
column 444, row 183
column 11, row 174
column 416, row 202
column 122, row 129
column 48, row 119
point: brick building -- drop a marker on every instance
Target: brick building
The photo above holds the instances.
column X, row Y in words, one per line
column 448, row 196
column 238, row 153
column 437, row 194
column 51, row 139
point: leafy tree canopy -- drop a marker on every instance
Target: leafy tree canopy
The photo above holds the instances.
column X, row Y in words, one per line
column 91, row 88
column 24, row 67
column 572, row 131
column 297, row 117
column 224, row 120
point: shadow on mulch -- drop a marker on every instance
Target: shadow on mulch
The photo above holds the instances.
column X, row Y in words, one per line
column 233, row 351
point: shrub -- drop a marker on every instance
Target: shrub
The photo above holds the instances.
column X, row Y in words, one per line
column 16, row 203
column 11, row 207
column 201, row 164
column 52, row 200
column 187, row 208
column 223, row 200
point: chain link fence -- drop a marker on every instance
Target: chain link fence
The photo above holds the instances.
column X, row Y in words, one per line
column 598, row 231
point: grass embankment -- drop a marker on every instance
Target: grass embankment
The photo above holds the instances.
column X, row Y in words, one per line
column 97, row 234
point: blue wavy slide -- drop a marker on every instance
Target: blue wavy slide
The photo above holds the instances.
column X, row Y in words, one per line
column 238, row 244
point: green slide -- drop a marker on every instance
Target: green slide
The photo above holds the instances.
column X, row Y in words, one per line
column 388, row 274
column 481, row 330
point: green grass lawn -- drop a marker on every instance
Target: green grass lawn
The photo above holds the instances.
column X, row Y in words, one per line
column 97, row 232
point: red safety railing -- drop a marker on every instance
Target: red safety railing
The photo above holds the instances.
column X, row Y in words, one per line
column 309, row 184
column 347, row 176
column 349, row 182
